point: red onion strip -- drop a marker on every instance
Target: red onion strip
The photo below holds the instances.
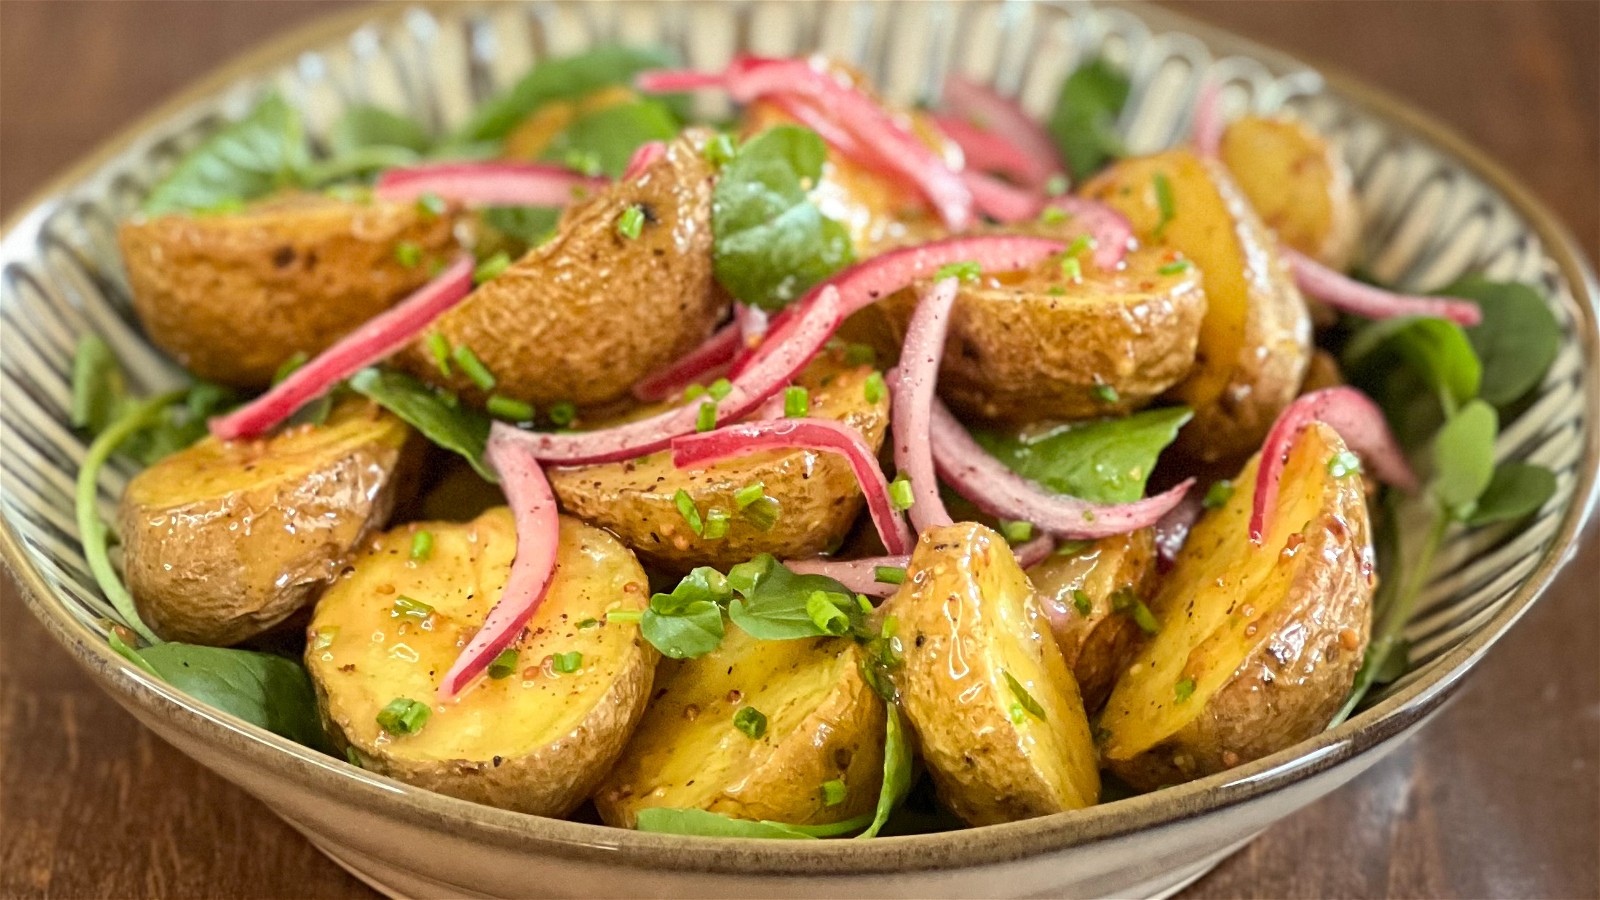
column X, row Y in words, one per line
column 1174, row 527
column 538, row 536
column 1207, row 134
column 1000, row 201
column 998, row 491
column 986, row 151
column 1351, row 296
column 859, row 575
column 776, row 366
column 1035, row 551
column 648, row 154
column 807, row 434
column 672, row 81
column 1355, row 417
column 718, row 350
column 375, row 339
column 912, row 399
column 487, row 183
column 752, row 321
column 1110, row 229
column 1008, row 121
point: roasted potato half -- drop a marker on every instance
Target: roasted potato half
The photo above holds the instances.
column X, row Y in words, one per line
column 1299, row 183
column 1090, row 596
column 816, row 493
column 1256, row 336
column 584, row 315
column 1039, row 345
column 224, row 540
column 536, row 740
column 823, row 723
column 1259, row 645
column 232, row 296
column 995, row 709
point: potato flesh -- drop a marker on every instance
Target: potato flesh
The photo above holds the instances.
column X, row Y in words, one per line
column 967, row 616
column 1217, row 604
column 823, row 723
column 1298, row 182
column 374, row 656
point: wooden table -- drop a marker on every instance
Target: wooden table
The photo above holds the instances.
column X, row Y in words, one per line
column 1498, row 797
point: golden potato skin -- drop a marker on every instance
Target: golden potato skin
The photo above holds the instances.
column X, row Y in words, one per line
column 1098, row 645
column 1299, row 183
column 823, row 723
column 584, row 315
column 967, row 617
column 1256, row 336
column 224, row 540
column 536, row 741
column 231, row 296
column 1271, row 636
column 817, row 492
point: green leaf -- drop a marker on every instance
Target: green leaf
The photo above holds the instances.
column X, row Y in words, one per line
column 1516, row 341
column 897, row 770
column 364, row 126
column 560, row 79
column 1517, row 490
column 242, row 161
column 440, row 416
column 1104, row 461
column 770, row 242
column 692, row 630
column 772, row 601
column 1463, row 458
column 99, row 389
column 709, row 824
column 610, row 135
column 527, row 225
column 1084, row 121
column 1435, row 350
column 701, row 584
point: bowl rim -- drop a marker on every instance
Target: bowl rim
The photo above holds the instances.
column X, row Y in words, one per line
column 341, row 783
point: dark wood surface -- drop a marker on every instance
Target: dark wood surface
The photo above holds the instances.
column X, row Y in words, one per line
column 1499, row 797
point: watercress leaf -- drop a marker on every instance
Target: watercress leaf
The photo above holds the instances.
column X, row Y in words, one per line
column 773, row 606
column 1436, row 350
column 566, row 78
column 364, row 125
column 1517, row 489
column 701, row 584
column 1084, row 120
column 99, row 389
column 1104, row 461
column 693, row 630
column 709, row 824
column 1516, row 341
column 242, row 161
column 1463, row 458
column 770, row 242
column 897, row 769
column 271, row 691
column 527, row 225
column 441, row 417
column 610, row 135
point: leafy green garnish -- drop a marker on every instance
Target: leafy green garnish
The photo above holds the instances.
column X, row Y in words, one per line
column 1516, row 341
column 1435, row 350
column 1084, row 121
column 363, row 126
column 98, row 385
column 441, row 417
column 688, row 622
column 897, row 770
column 770, row 242
column 560, row 79
column 1022, row 696
column 245, row 160
column 608, row 137
column 772, row 601
column 1517, row 489
column 709, row 824
column 527, row 225
column 1463, row 458
column 1105, row 461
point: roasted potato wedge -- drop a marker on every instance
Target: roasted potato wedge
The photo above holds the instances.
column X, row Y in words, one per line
column 1038, row 345
column 586, row 314
column 823, row 723
column 1090, row 592
column 978, row 655
column 1299, row 183
column 293, row 274
column 817, row 494
column 224, row 540
column 537, row 740
column 1259, row 645
column 1256, row 336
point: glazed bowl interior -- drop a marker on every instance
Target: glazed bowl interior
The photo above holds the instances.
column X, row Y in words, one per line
column 1434, row 209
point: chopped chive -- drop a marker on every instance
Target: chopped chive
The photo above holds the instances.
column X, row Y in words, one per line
column 406, row 606
column 422, row 545
column 823, row 608
column 707, row 419
column 1079, row 244
column 1072, row 269
column 1017, row 714
column 690, row 512
column 503, row 665
column 1125, row 601
column 1056, row 290
column 833, row 792
column 796, row 402
column 1218, row 495
column 875, row 389
column 719, row 150
column 352, row 757
column 589, row 623
column 509, row 409
column 439, row 349
column 566, row 663
column 1072, row 548
column 1174, row 267
column 889, row 574
column 763, row 513
column 860, row 355
column 1023, row 697
column 631, row 224
column 749, row 494
column 1344, row 463
column 751, row 722
column 1056, row 185
column 430, row 205
column 1105, row 393
column 325, row 636
column 1183, row 690
column 625, row 615
column 408, row 254
column 491, row 267
column 562, row 414
column 864, row 604
column 716, row 524
column 900, row 494
column 1052, row 215
column 1164, row 202
column 1016, row 532
column 288, row 366
column 403, row 716
column 968, row 270
column 719, row 389
column 1081, row 602
column 473, row 367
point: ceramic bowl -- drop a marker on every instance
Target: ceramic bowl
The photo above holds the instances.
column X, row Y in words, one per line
column 1434, row 208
